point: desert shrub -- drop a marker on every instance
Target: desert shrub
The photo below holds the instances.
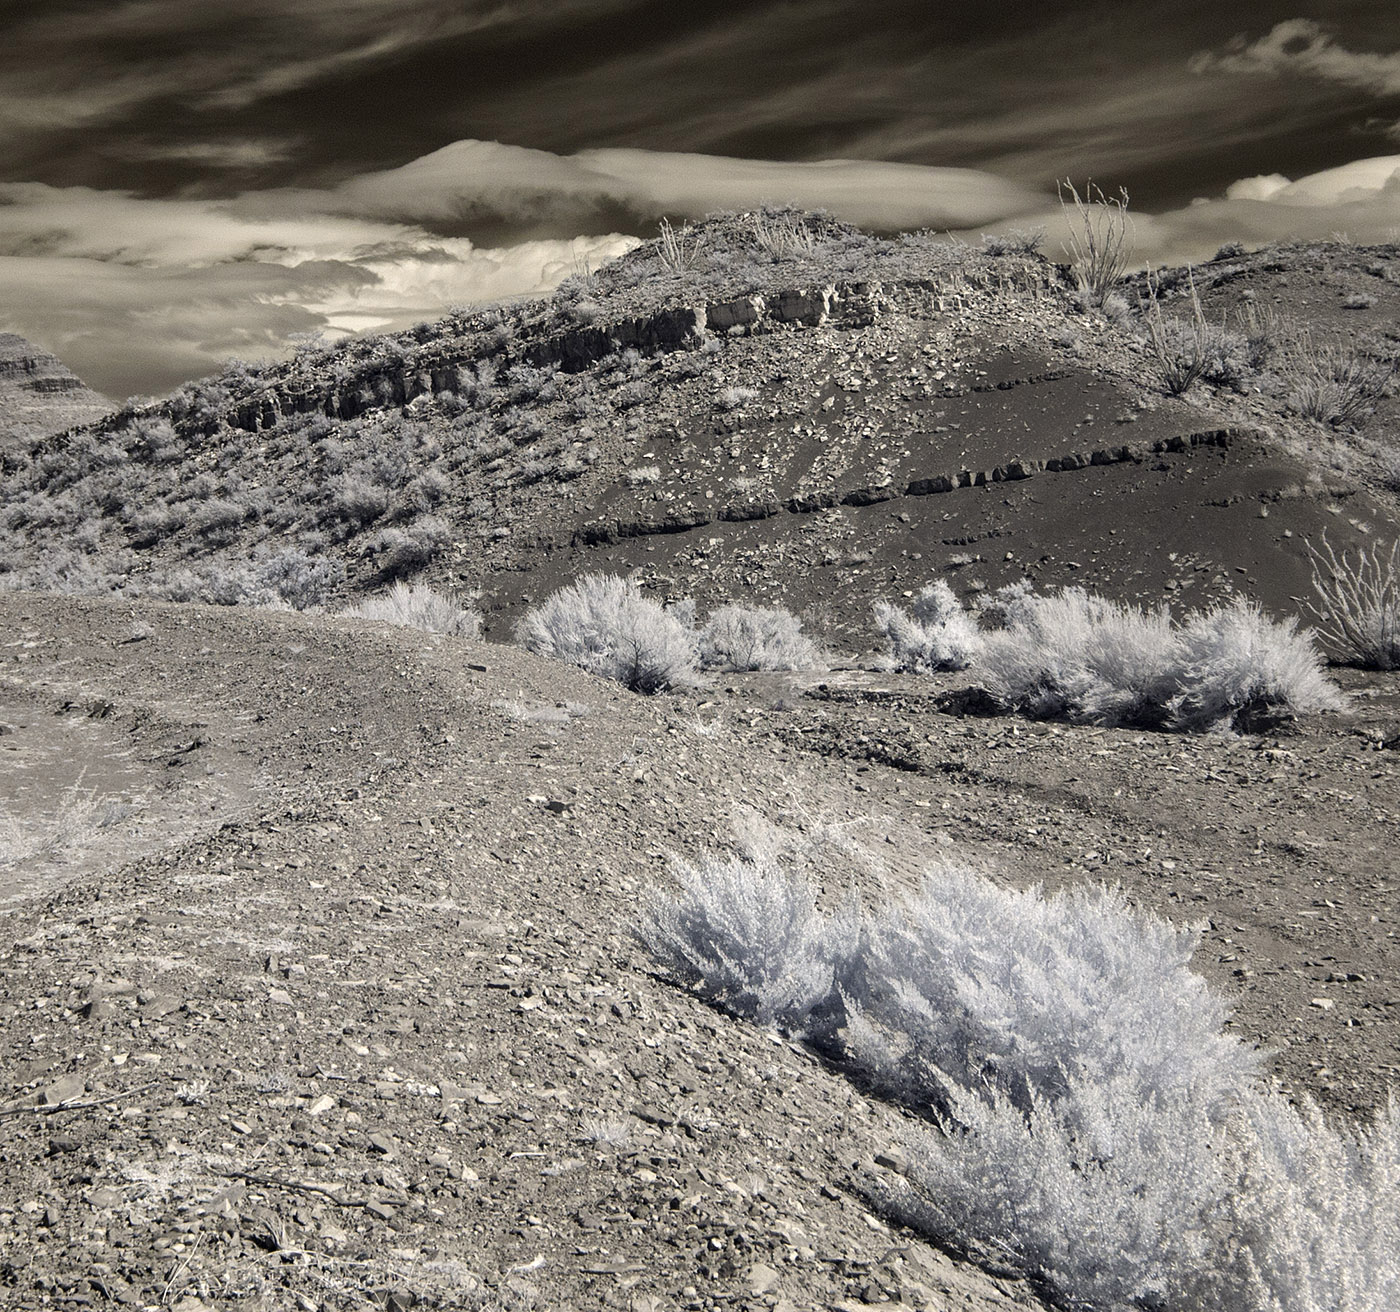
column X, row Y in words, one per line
column 1100, row 242
column 642, row 475
column 1182, row 349
column 936, row 633
column 679, row 249
column 299, row 579
column 757, row 638
column 1318, row 1211
column 1084, row 658
column 357, row 500
column 1239, row 668
column 1332, row 381
column 781, row 233
column 1358, row 604
column 1080, row 1112
column 732, row 398
column 746, row 934
column 603, row 624
column 1014, row 241
column 417, row 606
column 405, row 550
column 988, row 987
column 218, row 518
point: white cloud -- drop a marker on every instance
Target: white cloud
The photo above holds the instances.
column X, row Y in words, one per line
column 1258, row 188
column 1300, row 47
column 475, row 177
column 138, row 295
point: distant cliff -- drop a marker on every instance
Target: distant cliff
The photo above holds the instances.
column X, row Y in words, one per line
column 39, row 395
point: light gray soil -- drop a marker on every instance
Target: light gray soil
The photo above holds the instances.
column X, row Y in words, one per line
column 375, row 1028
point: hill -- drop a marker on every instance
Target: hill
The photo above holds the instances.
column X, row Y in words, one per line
column 823, row 422
column 340, row 985
column 324, row 986
column 39, row 395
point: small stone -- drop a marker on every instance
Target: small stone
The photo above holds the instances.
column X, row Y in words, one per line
column 65, row 1090
column 321, row 1105
column 1326, row 1004
column 381, row 1210
column 893, row 1159
column 761, row 1278
column 281, row 997
column 382, row 1143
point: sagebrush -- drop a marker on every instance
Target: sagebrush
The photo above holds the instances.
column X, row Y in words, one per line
column 603, row 624
column 417, row 606
column 757, row 638
column 1080, row 1112
column 1076, row 656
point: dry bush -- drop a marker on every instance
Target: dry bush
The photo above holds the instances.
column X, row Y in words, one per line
column 1332, row 381
column 1080, row 1112
column 757, row 638
column 417, row 606
column 1084, row 658
column 1101, row 238
column 936, row 633
column 604, row 625
column 1358, row 604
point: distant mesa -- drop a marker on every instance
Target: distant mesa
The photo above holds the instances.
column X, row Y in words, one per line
column 40, row 395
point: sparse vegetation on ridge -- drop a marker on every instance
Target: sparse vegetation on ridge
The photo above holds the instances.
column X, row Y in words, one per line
column 1100, row 240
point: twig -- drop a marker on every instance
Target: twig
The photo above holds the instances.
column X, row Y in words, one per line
column 180, row 1266
column 71, row 1106
column 296, row 1186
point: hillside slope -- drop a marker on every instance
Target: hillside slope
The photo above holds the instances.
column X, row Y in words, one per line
column 820, row 425
column 334, row 1000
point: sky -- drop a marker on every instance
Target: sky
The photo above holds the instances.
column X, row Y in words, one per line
column 181, row 183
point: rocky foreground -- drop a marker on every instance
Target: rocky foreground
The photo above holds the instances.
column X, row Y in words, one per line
column 333, row 1001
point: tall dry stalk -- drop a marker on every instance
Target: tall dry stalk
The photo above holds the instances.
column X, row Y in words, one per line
column 1358, row 606
column 1101, row 237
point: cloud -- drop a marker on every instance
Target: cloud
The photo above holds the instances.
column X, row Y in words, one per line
column 1361, row 199
column 1300, row 47
column 139, row 295
column 485, row 178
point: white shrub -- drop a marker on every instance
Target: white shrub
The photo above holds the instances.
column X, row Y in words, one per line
column 1085, row 1117
column 757, row 638
column 1111, row 1198
column 417, row 606
column 1318, row 1214
column 604, row 625
column 1082, row 657
column 1237, row 663
column 995, row 988
column 747, row 934
column 1091, row 660
column 936, row 633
